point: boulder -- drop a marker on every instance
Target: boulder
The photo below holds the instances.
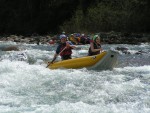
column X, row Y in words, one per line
column 10, row 48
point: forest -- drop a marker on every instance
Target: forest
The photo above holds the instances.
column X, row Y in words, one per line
column 53, row 16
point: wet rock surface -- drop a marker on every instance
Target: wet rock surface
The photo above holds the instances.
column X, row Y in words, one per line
column 10, row 48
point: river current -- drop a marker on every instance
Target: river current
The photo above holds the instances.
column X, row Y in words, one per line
column 26, row 86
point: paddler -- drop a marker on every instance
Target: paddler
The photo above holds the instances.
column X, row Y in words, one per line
column 64, row 49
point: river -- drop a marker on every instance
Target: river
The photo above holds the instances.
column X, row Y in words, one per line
column 26, row 86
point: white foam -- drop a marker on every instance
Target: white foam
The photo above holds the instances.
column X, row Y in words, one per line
column 26, row 87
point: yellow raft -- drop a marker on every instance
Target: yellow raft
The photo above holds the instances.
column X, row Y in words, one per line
column 105, row 60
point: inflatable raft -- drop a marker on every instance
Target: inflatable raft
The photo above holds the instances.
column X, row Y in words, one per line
column 105, row 60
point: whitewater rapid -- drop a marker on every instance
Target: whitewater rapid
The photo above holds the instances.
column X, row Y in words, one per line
column 26, row 86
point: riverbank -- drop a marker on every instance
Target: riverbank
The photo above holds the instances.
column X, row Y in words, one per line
column 125, row 38
column 106, row 38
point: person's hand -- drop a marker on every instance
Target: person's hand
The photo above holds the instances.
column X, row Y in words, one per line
column 50, row 62
column 67, row 45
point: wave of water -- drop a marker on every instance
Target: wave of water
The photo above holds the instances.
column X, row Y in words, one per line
column 26, row 86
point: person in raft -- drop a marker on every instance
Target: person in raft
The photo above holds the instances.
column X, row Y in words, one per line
column 95, row 46
column 64, row 49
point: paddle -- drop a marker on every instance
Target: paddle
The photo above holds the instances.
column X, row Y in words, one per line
column 67, row 45
column 57, row 55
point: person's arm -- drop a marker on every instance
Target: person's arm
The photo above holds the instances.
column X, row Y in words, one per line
column 69, row 44
column 92, row 48
column 56, row 54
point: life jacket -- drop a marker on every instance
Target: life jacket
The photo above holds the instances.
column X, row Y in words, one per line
column 96, row 46
column 66, row 52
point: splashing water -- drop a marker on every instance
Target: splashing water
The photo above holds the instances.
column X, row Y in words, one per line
column 26, row 86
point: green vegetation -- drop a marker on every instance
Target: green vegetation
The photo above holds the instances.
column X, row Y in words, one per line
column 53, row 16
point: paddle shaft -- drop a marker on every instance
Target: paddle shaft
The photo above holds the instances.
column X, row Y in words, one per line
column 62, row 51
column 56, row 56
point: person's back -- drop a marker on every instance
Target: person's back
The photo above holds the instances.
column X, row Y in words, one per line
column 72, row 39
